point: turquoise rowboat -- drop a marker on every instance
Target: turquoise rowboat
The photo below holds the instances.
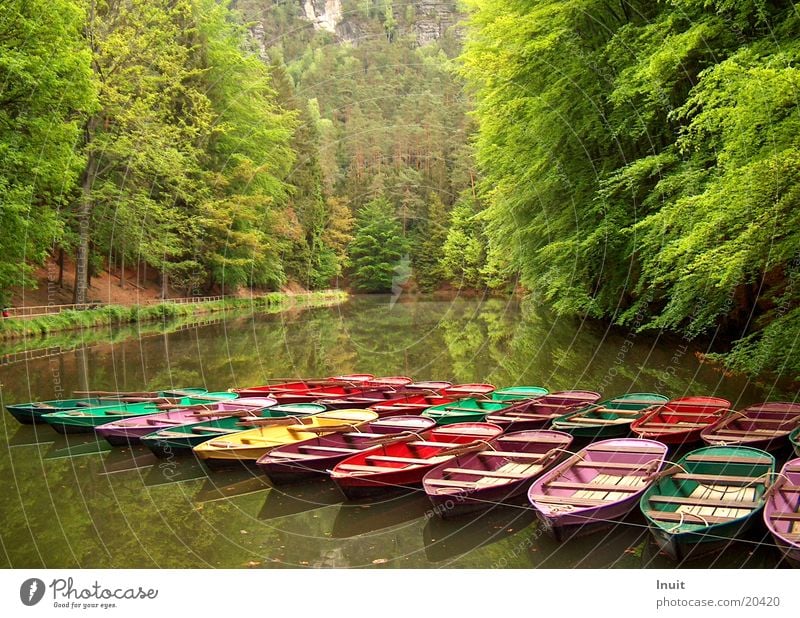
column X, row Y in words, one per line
column 32, row 412
column 794, row 438
column 465, row 410
column 182, row 439
column 608, row 419
column 711, row 497
column 84, row 420
column 515, row 393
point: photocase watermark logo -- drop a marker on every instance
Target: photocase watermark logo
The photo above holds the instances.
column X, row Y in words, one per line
column 402, row 273
column 31, row 591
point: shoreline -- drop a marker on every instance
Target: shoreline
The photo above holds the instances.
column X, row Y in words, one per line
column 108, row 315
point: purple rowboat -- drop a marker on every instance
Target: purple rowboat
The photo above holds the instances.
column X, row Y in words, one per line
column 131, row 430
column 782, row 511
column 596, row 487
column 497, row 474
column 316, row 456
column 538, row 413
column 765, row 426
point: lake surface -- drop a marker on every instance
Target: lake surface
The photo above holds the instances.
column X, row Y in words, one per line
column 70, row 501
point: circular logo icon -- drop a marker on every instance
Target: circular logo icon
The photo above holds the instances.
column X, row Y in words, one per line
column 31, row 591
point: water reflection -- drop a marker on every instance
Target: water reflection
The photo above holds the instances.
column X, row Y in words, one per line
column 72, row 501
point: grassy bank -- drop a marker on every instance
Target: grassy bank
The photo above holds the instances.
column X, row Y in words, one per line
column 117, row 314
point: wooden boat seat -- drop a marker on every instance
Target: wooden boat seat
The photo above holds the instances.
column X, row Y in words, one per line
column 523, row 416
column 566, row 500
column 587, row 420
column 405, row 460
column 617, row 411
column 291, row 455
column 488, row 473
column 687, row 517
column 785, row 515
column 358, row 434
column 219, row 430
column 593, row 486
column 792, row 469
column 451, row 484
column 748, row 432
column 704, row 502
column 434, row 444
column 358, row 468
column 644, row 450
column 713, row 478
column 171, row 434
column 328, row 449
column 790, row 489
column 512, row 455
column 542, row 440
column 612, row 465
column 732, row 460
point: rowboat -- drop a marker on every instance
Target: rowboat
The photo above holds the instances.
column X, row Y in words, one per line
column 248, row 446
column 408, row 404
column 396, row 382
column 608, row 419
column 782, row 511
column 461, row 391
column 708, row 499
column 131, row 430
column 301, row 386
column 464, row 410
column 30, row 413
column 764, row 425
column 496, row 474
column 363, row 399
column 515, row 393
column 182, row 439
column 680, row 421
column 596, row 487
column 794, row 438
column 539, row 413
column 404, row 464
column 84, row 420
column 318, row 455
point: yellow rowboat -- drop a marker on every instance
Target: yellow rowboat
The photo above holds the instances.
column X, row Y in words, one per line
column 249, row 445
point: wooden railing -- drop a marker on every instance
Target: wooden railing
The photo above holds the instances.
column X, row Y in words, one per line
column 40, row 310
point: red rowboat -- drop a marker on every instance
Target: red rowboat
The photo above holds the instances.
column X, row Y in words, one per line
column 404, row 464
column 300, row 386
column 409, row 404
column 681, row 421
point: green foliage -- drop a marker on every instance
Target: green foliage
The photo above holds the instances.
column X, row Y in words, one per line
column 428, row 247
column 377, row 248
column 640, row 161
column 45, row 86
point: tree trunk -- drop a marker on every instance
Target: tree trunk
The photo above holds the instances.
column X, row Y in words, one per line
column 164, row 283
column 122, row 268
column 84, row 218
column 61, row 267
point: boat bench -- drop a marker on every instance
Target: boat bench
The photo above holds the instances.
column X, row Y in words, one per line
column 405, row 460
column 733, row 504
column 732, row 460
column 290, row 455
column 595, row 486
column 717, row 479
column 542, row 440
column 358, row 468
column 785, row 515
column 545, row 499
column 749, row 432
column 675, row 426
column 487, row 473
column 166, row 433
column 328, row 449
column 612, row 465
column 644, row 450
column 513, row 455
column 450, row 483
column 434, row 444
column 687, row 517
column 219, row 430
column 588, row 420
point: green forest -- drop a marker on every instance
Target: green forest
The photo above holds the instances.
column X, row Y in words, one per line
column 632, row 162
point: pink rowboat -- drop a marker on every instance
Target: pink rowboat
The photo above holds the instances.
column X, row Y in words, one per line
column 131, row 430
column 596, row 487
column 540, row 412
column 782, row 511
column 765, row 426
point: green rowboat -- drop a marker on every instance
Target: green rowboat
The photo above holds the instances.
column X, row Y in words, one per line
column 794, row 438
column 84, row 420
column 515, row 393
column 182, row 439
column 607, row 419
column 464, row 410
column 708, row 499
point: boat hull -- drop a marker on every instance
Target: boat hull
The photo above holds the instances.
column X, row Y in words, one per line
column 563, row 526
column 687, row 546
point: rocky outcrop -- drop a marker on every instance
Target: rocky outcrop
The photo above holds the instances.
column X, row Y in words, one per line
column 324, row 14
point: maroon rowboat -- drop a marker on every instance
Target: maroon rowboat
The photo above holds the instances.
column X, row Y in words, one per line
column 479, row 480
column 464, row 391
column 597, row 486
column 681, row 421
column 764, row 426
column 540, row 412
column 403, row 464
column 782, row 511
column 301, row 386
column 317, row 456
column 408, row 404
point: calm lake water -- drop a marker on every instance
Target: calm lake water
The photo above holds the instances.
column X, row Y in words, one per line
column 74, row 502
